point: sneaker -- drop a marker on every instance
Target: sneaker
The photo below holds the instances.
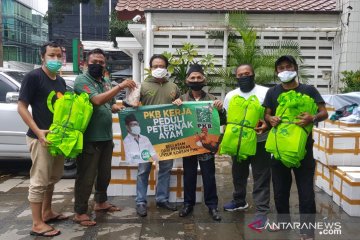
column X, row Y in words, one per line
column 259, row 222
column 141, row 210
column 233, row 206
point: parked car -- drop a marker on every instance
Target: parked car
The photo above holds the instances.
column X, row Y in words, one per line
column 12, row 128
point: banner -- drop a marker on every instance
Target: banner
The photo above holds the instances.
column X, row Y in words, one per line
column 163, row 132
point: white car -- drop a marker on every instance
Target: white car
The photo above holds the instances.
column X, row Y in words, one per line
column 12, row 127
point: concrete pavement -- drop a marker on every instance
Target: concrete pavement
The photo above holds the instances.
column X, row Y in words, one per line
column 15, row 217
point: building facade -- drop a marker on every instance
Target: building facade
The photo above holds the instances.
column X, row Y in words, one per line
column 327, row 31
column 92, row 29
column 24, row 30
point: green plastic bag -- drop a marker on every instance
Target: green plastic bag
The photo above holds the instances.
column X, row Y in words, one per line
column 240, row 137
column 72, row 114
column 287, row 141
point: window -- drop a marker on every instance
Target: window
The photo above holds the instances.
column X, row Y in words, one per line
column 5, row 87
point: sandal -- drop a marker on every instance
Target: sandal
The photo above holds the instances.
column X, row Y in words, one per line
column 44, row 233
column 85, row 222
column 110, row 208
column 57, row 218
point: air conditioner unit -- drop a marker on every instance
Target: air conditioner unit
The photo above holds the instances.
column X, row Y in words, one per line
column 326, row 74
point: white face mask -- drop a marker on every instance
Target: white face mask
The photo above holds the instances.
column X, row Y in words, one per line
column 135, row 130
column 287, row 76
column 159, row 72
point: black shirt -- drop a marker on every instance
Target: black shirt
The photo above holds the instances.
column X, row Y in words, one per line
column 273, row 93
column 41, row 92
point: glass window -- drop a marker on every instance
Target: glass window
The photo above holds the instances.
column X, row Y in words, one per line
column 5, row 87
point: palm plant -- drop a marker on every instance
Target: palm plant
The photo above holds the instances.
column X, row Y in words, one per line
column 180, row 61
column 247, row 50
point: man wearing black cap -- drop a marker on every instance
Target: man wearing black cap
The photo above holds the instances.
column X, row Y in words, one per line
column 286, row 69
column 196, row 81
column 260, row 163
column 138, row 148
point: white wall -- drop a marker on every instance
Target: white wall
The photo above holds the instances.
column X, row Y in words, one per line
column 349, row 56
column 317, row 48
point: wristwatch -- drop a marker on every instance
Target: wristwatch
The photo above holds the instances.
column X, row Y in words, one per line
column 315, row 121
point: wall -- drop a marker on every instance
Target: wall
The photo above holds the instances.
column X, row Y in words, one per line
column 349, row 54
column 317, row 48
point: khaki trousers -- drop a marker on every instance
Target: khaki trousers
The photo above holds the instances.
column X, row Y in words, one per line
column 45, row 171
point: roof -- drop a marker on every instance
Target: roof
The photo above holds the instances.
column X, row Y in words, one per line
column 228, row 5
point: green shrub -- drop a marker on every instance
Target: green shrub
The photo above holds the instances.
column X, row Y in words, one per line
column 351, row 81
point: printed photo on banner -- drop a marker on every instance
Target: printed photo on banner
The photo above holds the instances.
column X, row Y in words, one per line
column 163, row 132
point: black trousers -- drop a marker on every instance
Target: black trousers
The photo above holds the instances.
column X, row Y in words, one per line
column 260, row 166
column 207, row 167
column 304, row 177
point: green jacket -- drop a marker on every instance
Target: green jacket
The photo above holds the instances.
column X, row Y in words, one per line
column 154, row 93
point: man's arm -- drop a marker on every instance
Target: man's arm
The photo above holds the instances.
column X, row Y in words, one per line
column 105, row 97
column 273, row 120
column 28, row 119
column 306, row 118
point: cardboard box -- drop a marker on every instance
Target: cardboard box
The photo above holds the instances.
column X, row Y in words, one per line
column 115, row 123
column 119, row 151
column 177, row 186
column 337, row 124
column 324, row 176
column 346, row 189
column 337, row 146
column 123, row 181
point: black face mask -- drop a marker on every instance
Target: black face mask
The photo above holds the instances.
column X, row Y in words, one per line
column 196, row 86
column 246, row 83
column 95, row 70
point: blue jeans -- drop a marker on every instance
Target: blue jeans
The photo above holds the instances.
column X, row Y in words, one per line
column 162, row 183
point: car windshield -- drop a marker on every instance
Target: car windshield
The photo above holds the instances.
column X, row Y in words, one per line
column 18, row 76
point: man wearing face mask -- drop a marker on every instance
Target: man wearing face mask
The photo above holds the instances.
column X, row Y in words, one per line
column 138, row 147
column 260, row 163
column 287, row 71
column 94, row 163
column 36, row 90
column 155, row 90
column 196, row 81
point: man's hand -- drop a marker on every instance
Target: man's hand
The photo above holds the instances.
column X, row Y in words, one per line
column 115, row 108
column 128, row 83
column 218, row 105
column 261, row 127
column 177, row 102
column 274, row 120
column 304, row 119
column 41, row 134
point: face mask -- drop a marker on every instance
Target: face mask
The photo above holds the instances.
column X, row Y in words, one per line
column 196, row 86
column 95, row 70
column 246, row 83
column 135, row 130
column 53, row 65
column 159, row 72
column 287, row 76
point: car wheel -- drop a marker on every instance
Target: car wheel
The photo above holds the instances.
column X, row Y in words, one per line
column 69, row 168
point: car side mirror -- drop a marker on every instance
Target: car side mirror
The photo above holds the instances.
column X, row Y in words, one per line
column 12, row 97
